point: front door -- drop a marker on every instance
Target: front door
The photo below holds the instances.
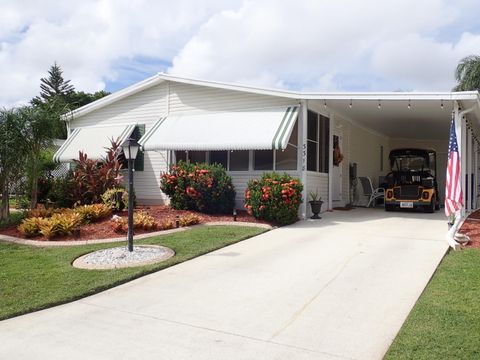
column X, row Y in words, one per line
column 337, row 175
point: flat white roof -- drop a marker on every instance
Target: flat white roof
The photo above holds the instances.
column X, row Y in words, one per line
column 471, row 97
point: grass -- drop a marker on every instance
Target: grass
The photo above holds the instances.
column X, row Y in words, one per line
column 36, row 278
column 445, row 322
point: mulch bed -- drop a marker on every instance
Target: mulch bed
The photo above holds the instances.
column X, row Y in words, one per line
column 471, row 228
column 103, row 229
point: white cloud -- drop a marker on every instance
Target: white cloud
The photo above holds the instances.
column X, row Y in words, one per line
column 88, row 37
column 309, row 44
column 312, row 43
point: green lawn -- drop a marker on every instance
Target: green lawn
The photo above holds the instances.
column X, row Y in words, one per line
column 36, row 278
column 445, row 322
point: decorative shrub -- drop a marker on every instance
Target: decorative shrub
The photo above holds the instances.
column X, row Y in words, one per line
column 65, row 223
column 91, row 178
column 31, row 227
column 202, row 187
column 57, row 222
column 119, row 224
column 41, row 212
column 166, row 225
column 141, row 220
column 116, row 199
column 61, row 193
column 45, row 185
column 274, row 198
column 190, row 219
column 48, row 228
column 93, row 212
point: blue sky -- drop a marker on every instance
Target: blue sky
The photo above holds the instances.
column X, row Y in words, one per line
column 323, row 45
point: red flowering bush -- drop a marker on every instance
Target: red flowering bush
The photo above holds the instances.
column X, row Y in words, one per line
column 274, row 198
column 91, row 178
column 201, row 187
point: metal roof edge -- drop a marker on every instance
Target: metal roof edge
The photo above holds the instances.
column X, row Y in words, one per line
column 299, row 95
column 306, row 95
column 231, row 86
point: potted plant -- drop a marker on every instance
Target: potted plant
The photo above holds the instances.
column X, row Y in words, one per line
column 315, row 204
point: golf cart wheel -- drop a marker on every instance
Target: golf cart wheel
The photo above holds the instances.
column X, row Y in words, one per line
column 431, row 207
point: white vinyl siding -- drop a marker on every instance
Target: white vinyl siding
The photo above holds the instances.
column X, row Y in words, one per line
column 144, row 107
column 147, row 106
column 192, row 98
column 317, row 182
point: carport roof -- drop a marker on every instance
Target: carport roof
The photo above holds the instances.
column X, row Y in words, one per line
column 424, row 118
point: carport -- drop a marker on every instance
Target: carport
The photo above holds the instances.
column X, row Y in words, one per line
column 400, row 119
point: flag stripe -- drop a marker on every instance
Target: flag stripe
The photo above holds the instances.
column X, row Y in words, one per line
column 453, row 185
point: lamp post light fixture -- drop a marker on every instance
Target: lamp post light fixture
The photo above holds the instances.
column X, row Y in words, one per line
column 130, row 149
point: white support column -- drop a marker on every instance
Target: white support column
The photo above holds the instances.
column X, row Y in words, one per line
column 475, row 174
column 331, row 125
column 468, row 206
column 302, row 154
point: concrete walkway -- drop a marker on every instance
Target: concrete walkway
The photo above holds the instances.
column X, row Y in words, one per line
column 338, row 288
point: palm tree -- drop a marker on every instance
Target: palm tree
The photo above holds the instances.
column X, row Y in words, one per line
column 467, row 73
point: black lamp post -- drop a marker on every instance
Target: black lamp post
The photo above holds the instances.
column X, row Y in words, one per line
column 130, row 149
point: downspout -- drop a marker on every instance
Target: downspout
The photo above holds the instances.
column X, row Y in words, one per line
column 460, row 214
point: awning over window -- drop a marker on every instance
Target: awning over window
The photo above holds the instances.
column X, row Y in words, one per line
column 237, row 130
column 93, row 141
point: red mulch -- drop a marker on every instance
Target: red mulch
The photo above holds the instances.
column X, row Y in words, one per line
column 471, row 228
column 103, row 230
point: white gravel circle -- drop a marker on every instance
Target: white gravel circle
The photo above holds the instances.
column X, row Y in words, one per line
column 120, row 257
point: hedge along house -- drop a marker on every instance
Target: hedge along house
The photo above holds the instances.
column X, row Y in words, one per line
column 252, row 130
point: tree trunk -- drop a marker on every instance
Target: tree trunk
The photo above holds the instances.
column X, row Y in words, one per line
column 34, row 193
column 4, row 205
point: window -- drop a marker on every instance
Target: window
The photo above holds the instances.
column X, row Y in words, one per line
column 323, row 150
column 312, row 141
column 239, row 160
column 287, row 159
column 219, row 157
column 197, row 156
column 263, row 160
column 318, row 134
column 190, row 156
column 180, row 156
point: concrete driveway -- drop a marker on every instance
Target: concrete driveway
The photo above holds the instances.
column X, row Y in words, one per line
column 338, row 288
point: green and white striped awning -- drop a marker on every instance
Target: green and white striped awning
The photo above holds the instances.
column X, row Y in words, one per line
column 93, row 141
column 263, row 129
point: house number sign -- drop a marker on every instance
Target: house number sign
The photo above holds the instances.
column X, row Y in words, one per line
column 304, row 157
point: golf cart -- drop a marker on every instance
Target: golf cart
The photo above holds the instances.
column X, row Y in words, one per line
column 412, row 181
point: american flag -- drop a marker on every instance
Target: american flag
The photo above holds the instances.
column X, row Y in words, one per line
column 453, row 188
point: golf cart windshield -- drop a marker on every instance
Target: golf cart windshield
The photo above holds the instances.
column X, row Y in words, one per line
column 409, row 162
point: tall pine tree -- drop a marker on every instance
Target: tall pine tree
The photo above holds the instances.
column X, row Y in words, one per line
column 54, row 87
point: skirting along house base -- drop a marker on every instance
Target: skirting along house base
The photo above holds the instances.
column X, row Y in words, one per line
column 317, row 137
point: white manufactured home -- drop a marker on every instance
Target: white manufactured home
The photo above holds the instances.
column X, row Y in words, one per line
column 253, row 130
